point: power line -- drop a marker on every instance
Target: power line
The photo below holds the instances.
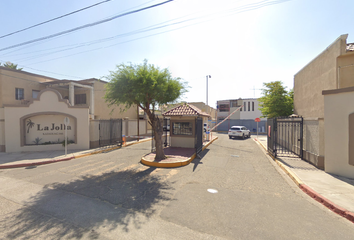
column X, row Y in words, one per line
column 53, row 19
column 245, row 8
column 248, row 7
column 85, row 26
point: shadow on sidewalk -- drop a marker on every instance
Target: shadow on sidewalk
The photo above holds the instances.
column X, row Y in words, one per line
column 344, row 179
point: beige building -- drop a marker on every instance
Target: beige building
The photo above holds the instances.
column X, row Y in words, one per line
column 207, row 109
column 25, row 96
column 330, row 70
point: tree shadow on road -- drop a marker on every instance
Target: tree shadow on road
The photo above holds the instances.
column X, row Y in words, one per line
column 196, row 161
column 114, row 201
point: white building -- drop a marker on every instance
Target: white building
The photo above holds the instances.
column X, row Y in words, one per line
column 244, row 117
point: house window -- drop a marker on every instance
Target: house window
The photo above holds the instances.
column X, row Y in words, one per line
column 234, row 103
column 249, row 106
column 224, row 108
column 19, row 93
column 35, row 93
column 80, row 98
column 244, row 106
column 252, row 106
column 182, row 128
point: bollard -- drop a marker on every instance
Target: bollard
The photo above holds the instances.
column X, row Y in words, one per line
column 124, row 141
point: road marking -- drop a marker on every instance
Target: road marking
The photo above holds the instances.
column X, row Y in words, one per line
column 212, row 190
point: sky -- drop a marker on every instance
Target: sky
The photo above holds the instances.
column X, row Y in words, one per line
column 241, row 44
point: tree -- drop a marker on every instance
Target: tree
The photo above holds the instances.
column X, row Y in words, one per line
column 12, row 66
column 148, row 87
column 276, row 101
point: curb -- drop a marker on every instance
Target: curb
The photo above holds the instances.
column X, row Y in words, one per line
column 173, row 164
column 68, row 158
column 35, row 163
column 309, row 191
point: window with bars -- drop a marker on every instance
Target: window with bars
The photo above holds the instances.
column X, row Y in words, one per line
column 35, row 93
column 19, row 93
column 182, row 128
column 234, row 103
column 224, row 108
column 80, row 98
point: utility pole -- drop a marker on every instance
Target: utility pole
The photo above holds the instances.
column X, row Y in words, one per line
column 208, row 76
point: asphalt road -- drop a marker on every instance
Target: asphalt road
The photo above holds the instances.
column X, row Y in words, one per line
column 234, row 192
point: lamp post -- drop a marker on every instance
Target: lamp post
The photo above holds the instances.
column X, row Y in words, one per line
column 208, row 76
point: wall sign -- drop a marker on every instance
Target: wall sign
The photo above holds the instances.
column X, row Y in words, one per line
column 47, row 129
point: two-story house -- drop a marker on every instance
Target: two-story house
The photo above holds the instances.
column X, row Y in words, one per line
column 26, row 105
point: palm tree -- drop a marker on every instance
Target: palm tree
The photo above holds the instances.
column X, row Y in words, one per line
column 30, row 124
column 12, row 66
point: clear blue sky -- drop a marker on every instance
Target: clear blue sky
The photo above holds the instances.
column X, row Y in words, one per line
column 240, row 43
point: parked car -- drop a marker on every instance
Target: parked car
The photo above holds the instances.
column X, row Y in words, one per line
column 239, row 131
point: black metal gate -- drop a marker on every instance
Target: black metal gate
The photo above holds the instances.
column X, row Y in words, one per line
column 110, row 132
column 198, row 136
column 166, row 131
column 285, row 136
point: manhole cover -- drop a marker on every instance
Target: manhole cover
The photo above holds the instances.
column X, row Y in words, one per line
column 212, row 190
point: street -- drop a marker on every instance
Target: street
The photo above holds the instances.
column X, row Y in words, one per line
column 234, row 191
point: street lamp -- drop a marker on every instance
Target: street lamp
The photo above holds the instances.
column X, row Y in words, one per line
column 208, row 76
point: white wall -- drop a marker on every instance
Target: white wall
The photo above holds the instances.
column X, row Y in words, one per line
column 337, row 108
column 248, row 113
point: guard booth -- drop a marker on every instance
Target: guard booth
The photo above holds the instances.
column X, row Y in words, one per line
column 186, row 126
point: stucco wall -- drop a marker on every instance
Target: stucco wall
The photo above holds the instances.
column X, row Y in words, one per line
column 12, row 79
column 337, row 111
column 320, row 74
column 2, row 130
column 346, row 70
column 313, row 142
column 102, row 111
column 49, row 104
column 249, row 114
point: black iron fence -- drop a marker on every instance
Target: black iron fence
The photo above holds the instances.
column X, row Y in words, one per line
column 110, row 132
column 285, row 136
column 198, row 136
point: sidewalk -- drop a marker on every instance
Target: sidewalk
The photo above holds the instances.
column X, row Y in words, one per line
column 335, row 192
column 26, row 159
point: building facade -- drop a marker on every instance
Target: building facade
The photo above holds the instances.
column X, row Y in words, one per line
column 332, row 69
column 246, row 116
column 32, row 109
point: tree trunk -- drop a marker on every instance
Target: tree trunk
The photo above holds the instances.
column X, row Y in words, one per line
column 158, row 131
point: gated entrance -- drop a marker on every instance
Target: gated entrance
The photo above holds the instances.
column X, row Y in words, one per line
column 285, row 136
column 110, row 132
column 198, row 136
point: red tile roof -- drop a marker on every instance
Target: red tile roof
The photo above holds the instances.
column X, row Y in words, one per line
column 185, row 110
